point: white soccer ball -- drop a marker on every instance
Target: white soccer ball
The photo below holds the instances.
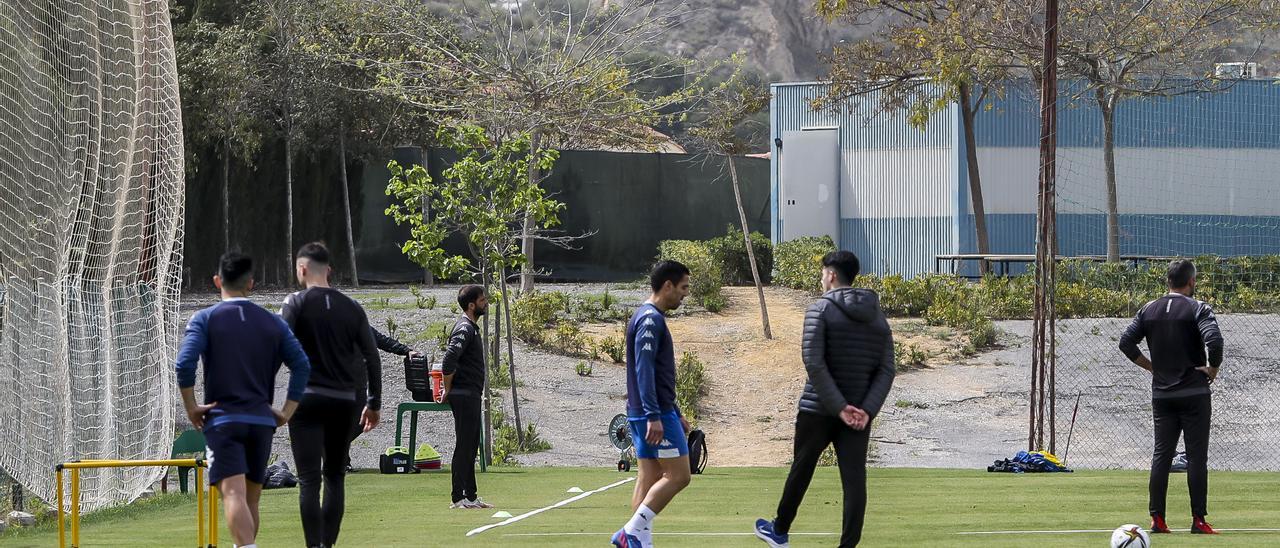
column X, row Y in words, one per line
column 1130, row 536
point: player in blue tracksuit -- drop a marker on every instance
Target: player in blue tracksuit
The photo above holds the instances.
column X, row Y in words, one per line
column 657, row 428
column 242, row 346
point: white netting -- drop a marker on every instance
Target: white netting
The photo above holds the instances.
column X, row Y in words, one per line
column 1195, row 176
column 91, row 198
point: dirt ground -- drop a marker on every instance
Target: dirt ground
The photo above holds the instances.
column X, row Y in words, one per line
column 754, row 384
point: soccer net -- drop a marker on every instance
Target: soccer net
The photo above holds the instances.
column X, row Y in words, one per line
column 91, row 198
column 1195, row 176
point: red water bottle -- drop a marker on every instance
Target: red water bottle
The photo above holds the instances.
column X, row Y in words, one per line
column 437, row 381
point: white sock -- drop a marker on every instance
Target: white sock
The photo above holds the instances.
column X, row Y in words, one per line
column 641, row 524
column 246, row 546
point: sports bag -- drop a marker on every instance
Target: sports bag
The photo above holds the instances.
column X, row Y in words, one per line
column 697, row 451
column 396, row 461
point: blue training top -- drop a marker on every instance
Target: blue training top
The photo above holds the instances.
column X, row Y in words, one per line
column 651, row 365
column 242, row 346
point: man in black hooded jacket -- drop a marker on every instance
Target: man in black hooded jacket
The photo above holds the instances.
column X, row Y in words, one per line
column 848, row 354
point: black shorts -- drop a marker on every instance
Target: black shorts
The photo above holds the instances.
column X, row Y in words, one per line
column 235, row 448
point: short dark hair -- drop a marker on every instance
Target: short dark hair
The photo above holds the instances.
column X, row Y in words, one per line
column 469, row 294
column 235, row 270
column 844, row 263
column 667, row 271
column 1180, row 273
column 316, row 252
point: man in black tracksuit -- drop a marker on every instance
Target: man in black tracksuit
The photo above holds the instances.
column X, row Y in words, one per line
column 848, row 353
column 334, row 331
column 391, row 346
column 463, row 368
column 1178, row 329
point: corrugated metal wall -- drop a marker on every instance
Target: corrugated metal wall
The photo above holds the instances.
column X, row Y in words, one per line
column 1196, row 174
column 898, row 187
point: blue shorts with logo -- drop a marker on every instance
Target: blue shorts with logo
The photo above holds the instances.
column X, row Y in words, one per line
column 674, row 443
column 234, row 448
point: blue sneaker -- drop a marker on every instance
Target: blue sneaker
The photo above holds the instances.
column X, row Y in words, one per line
column 622, row 540
column 764, row 531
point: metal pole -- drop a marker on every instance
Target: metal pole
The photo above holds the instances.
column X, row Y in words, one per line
column 62, row 524
column 75, row 507
column 213, row 516
column 199, row 489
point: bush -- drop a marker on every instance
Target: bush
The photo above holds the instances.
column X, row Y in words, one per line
column 704, row 279
column 798, row 263
column 569, row 339
column 506, row 443
column 730, row 252
column 533, row 313
column 614, row 348
column 691, row 379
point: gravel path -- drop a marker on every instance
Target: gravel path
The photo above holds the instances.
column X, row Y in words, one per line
column 957, row 412
column 569, row 411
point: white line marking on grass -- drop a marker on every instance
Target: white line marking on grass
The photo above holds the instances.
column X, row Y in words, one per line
column 1078, row 531
column 531, row 513
column 663, row 534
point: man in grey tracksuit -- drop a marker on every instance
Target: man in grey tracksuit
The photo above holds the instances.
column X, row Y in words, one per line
column 848, row 353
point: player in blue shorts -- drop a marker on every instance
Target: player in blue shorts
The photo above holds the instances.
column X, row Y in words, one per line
column 241, row 345
column 657, row 427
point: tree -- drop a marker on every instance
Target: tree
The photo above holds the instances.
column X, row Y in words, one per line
column 922, row 60
column 219, row 85
column 1144, row 48
column 563, row 72
column 485, row 196
column 279, row 23
column 340, row 103
column 728, row 112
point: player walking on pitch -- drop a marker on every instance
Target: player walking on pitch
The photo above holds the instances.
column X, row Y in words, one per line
column 657, row 427
column 334, row 331
column 242, row 346
column 1178, row 329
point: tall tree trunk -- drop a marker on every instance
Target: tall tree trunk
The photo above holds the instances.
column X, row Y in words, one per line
column 1107, row 104
column 288, row 182
column 346, row 200
column 511, row 357
column 751, row 252
column 487, row 420
column 526, row 234
column 226, row 196
column 969, row 112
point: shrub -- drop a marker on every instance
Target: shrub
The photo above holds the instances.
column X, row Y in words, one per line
column 704, row 278
column 798, row 263
column 583, row 369
column 730, row 252
column 569, row 339
column 506, row 443
column 614, row 348
column 533, row 313
column 691, row 379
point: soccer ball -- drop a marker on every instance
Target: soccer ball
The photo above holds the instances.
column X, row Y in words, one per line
column 1130, row 536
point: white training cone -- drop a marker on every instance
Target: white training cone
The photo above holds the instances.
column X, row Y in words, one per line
column 502, row 514
column 574, row 490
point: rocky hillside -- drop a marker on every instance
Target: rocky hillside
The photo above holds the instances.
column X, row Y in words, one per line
column 783, row 38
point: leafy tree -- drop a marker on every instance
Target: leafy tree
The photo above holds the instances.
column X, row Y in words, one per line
column 219, row 85
column 485, row 196
column 727, row 110
column 565, row 73
column 923, row 61
column 1121, row 49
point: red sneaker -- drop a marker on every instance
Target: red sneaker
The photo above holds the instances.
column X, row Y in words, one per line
column 1158, row 525
column 1200, row 527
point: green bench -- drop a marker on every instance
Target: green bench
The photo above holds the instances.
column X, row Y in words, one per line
column 415, row 407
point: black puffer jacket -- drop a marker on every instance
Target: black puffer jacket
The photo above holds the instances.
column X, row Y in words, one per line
column 848, row 352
